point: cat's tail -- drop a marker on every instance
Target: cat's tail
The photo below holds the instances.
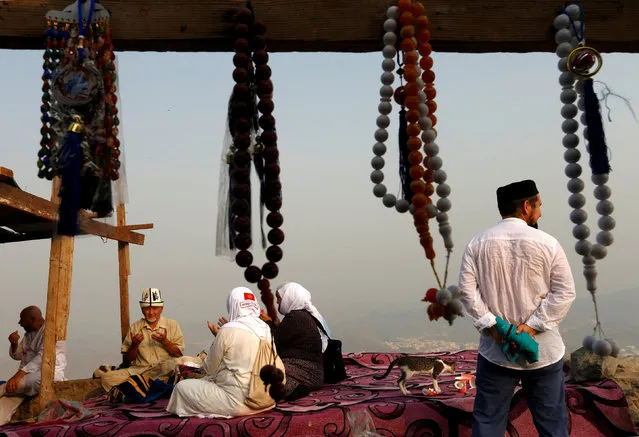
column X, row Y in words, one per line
column 390, row 367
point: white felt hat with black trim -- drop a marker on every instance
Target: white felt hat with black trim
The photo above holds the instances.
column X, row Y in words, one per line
column 151, row 297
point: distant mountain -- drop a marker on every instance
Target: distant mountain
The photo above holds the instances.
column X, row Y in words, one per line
column 409, row 330
column 617, row 314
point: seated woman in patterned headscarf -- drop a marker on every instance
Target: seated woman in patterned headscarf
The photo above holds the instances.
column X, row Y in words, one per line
column 229, row 364
column 299, row 339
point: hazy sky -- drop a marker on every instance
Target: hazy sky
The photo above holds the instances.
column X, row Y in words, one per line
column 499, row 121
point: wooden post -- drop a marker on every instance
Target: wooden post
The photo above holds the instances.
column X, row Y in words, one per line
column 124, row 268
column 64, row 286
column 57, row 310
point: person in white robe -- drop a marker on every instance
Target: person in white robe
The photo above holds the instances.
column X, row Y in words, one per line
column 228, row 364
column 26, row 381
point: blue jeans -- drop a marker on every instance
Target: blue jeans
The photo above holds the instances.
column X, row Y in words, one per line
column 544, row 390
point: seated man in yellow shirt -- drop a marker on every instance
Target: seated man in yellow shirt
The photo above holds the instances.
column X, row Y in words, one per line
column 150, row 341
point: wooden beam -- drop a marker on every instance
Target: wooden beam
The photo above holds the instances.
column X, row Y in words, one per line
column 57, row 311
column 472, row 26
column 100, row 229
column 6, row 177
column 18, row 200
column 137, row 227
column 124, row 269
column 6, row 173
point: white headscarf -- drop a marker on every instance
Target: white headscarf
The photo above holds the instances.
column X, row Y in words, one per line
column 244, row 313
column 295, row 297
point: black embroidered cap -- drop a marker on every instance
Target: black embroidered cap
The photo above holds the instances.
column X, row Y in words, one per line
column 516, row 191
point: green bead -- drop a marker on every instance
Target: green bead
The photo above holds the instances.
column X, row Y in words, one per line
column 40, row 163
column 116, row 165
column 46, row 96
column 47, row 53
column 116, row 121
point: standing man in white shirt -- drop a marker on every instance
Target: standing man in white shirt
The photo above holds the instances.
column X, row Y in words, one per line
column 26, row 381
column 521, row 274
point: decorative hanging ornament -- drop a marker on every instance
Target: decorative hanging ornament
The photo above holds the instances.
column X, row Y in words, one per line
column 77, row 86
column 578, row 64
column 254, row 143
column 79, row 131
column 406, row 38
column 584, row 61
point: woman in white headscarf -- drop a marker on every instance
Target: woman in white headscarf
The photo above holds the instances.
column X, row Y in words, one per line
column 299, row 339
column 229, row 364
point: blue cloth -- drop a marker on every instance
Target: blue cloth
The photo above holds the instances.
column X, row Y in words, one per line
column 523, row 343
column 138, row 389
column 544, row 390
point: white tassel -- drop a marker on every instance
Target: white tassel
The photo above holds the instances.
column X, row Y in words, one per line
column 222, row 240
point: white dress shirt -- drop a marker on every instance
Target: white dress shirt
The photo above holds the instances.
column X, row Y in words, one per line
column 520, row 274
column 29, row 353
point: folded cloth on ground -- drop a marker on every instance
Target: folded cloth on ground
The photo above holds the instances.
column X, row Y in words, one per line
column 61, row 410
column 191, row 372
column 138, row 389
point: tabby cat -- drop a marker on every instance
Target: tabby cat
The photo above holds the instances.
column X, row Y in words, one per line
column 411, row 365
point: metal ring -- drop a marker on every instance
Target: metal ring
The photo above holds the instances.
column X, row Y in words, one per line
column 586, row 49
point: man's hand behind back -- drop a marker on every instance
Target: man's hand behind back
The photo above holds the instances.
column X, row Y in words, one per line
column 527, row 329
column 496, row 335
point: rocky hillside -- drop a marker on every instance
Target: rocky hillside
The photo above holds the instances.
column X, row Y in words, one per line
column 585, row 366
column 627, row 376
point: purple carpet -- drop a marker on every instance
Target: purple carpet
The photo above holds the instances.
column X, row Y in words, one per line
column 596, row 409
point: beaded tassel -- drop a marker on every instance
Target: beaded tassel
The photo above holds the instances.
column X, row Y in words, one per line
column 577, row 61
column 253, row 84
column 79, row 77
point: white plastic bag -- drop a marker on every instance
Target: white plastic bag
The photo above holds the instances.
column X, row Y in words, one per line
column 361, row 424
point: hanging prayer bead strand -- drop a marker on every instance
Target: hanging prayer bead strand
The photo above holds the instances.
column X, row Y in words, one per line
column 426, row 122
column 46, row 132
column 267, row 147
column 569, row 37
column 445, row 301
column 253, row 80
column 385, row 108
column 106, row 55
column 77, row 113
column 56, row 37
column 433, row 162
column 241, row 113
column 416, row 98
